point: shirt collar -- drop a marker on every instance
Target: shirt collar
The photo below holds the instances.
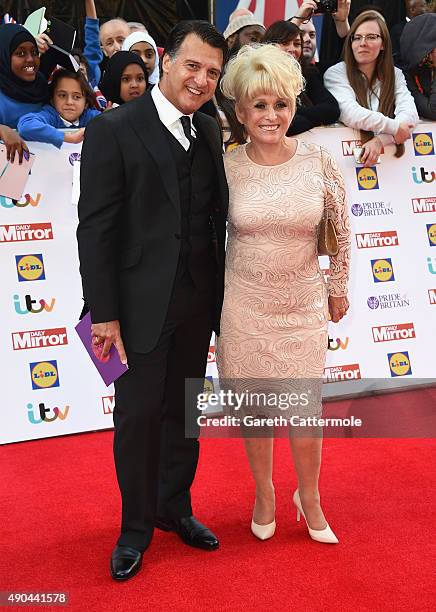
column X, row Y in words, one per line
column 167, row 112
column 67, row 123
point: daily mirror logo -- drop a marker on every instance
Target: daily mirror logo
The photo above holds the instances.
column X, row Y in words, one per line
column 397, row 331
column 108, row 402
column 423, row 144
column 342, row 373
column 373, row 240
column 424, row 205
column 26, row 233
column 39, row 338
column 348, row 146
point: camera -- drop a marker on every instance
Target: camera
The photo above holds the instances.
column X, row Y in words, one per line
column 327, row 6
column 357, row 153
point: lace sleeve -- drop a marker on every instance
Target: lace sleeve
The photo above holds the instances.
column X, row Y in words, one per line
column 336, row 203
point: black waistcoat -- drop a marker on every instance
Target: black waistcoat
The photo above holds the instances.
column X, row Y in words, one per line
column 196, row 175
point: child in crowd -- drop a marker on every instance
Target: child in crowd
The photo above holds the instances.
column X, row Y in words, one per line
column 72, row 106
column 418, row 50
column 23, row 88
column 125, row 78
column 372, row 94
column 144, row 45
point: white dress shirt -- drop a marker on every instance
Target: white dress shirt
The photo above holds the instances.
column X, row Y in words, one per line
column 357, row 117
column 170, row 117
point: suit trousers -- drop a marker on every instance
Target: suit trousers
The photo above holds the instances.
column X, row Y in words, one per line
column 155, row 461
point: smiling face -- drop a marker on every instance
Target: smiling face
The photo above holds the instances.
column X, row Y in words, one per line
column 367, row 51
column 25, row 62
column 69, row 99
column 189, row 79
column 133, row 83
column 266, row 118
column 293, row 47
column 146, row 53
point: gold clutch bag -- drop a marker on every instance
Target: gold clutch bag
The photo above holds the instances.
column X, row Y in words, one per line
column 327, row 236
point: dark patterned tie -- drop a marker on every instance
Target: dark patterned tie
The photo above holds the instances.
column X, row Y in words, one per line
column 186, row 124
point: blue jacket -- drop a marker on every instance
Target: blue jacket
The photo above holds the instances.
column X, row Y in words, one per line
column 92, row 50
column 11, row 110
column 47, row 126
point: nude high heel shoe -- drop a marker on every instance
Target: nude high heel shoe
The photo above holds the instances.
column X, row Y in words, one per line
column 263, row 532
column 326, row 535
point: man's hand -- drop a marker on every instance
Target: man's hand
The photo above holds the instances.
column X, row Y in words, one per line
column 43, row 42
column 305, row 12
column 14, row 144
column 341, row 18
column 404, row 132
column 371, row 151
column 108, row 334
column 75, row 137
column 338, row 307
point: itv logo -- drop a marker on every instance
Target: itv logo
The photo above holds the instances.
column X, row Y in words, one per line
column 30, row 305
column 43, row 414
column 23, row 203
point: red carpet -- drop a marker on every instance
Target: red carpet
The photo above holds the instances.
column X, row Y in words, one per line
column 60, row 516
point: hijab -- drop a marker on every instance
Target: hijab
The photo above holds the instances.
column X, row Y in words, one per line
column 11, row 36
column 137, row 37
column 110, row 83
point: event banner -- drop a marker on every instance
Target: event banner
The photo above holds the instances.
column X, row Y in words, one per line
column 51, row 386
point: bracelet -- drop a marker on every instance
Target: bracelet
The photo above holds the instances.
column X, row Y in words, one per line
column 297, row 17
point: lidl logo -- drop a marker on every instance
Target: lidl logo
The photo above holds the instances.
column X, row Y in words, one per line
column 44, row 374
column 423, row 144
column 30, row 267
column 431, row 233
column 367, row 178
column 382, row 270
column 399, row 364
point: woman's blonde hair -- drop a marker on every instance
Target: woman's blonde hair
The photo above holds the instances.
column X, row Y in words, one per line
column 262, row 69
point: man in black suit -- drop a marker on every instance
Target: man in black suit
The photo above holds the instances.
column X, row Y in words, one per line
column 151, row 239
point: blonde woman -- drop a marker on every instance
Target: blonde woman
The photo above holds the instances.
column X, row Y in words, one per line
column 276, row 304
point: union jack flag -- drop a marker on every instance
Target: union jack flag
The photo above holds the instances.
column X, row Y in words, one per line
column 8, row 19
column 269, row 11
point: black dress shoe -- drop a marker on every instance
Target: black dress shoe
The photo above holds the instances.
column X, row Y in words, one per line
column 125, row 562
column 191, row 531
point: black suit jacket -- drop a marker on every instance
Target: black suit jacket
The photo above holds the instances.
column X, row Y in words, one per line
column 130, row 219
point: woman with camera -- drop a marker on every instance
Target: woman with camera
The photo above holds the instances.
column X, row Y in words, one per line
column 372, row 93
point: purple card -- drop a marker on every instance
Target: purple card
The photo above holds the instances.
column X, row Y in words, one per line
column 109, row 370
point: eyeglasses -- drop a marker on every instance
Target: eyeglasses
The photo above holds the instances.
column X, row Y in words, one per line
column 358, row 38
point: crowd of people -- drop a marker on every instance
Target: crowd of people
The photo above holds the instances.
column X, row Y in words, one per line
column 364, row 91
column 156, row 273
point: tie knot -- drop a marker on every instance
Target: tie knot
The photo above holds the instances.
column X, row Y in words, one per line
column 186, row 124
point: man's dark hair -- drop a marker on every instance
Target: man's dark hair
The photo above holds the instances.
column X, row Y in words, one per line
column 203, row 29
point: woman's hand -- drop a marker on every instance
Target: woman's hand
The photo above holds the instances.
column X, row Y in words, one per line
column 75, row 137
column 371, row 151
column 14, row 144
column 43, row 42
column 403, row 133
column 343, row 10
column 338, row 307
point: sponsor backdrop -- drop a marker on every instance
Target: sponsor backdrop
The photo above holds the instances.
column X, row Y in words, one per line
column 51, row 387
